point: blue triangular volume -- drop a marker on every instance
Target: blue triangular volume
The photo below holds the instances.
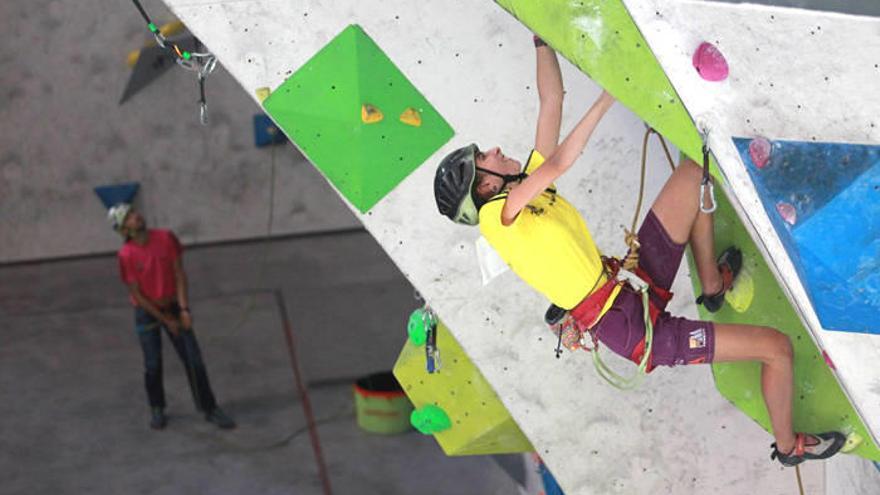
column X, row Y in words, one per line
column 266, row 132
column 824, row 202
column 117, row 193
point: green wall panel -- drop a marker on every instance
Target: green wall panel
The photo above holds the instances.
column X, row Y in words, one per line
column 319, row 108
column 601, row 39
column 819, row 402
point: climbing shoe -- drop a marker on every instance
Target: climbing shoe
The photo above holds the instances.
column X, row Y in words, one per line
column 808, row 447
column 219, row 418
column 729, row 264
column 158, row 420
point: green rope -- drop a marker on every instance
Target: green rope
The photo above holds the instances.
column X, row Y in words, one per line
column 631, row 261
column 628, row 383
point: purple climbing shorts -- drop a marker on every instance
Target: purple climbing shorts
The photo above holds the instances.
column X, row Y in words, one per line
column 676, row 340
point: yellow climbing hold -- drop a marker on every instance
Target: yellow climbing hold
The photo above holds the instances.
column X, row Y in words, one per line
column 742, row 293
column 412, row 117
column 853, row 440
column 370, row 114
column 133, row 57
column 263, row 93
column 167, row 30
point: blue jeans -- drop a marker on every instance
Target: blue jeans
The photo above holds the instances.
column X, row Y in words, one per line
column 187, row 347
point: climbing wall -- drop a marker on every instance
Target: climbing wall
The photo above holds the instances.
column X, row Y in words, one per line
column 477, row 422
column 796, row 136
column 820, row 403
column 823, row 201
column 473, row 64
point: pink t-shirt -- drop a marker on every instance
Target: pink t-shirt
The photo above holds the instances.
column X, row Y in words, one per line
column 151, row 265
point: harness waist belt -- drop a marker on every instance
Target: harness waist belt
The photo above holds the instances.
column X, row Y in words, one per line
column 587, row 312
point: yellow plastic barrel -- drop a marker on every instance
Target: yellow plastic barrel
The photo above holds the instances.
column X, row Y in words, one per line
column 382, row 406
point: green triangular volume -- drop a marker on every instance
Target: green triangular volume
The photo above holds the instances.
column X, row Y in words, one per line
column 319, row 108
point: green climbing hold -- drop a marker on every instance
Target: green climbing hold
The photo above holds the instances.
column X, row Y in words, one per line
column 430, row 419
column 186, row 55
column 417, row 328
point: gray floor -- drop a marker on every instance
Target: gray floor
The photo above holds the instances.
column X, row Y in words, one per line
column 74, row 414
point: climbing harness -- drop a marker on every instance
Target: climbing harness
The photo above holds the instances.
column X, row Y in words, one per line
column 707, row 181
column 571, row 327
column 202, row 63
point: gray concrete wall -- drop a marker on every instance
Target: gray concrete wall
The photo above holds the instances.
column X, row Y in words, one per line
column 857, row 7
column 62, row 71
column 70, row 357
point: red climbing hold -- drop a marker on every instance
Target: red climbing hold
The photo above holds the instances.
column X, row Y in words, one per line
column 710, row 63
column 759, row 151
column 787, row 212
column 828, row 360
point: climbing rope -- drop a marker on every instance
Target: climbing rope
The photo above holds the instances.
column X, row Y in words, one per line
column 630, row 237
column 618, row 381
column 202, row 63
column 267, row 240
column 625, row 275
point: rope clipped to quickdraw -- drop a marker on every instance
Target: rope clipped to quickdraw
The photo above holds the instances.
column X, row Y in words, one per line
column 202, row 63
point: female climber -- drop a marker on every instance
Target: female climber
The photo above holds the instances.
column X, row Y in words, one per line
column 547, row 244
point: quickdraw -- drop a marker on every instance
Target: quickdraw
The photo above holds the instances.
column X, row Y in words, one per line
column 202, row 63
column 706, row 183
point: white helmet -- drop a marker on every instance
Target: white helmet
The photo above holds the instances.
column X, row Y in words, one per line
column 116, row 215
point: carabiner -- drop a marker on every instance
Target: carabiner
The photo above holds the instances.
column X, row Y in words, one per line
column 203, row 113
column 713, row 204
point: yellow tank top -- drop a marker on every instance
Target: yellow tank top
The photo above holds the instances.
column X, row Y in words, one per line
column 547, row 245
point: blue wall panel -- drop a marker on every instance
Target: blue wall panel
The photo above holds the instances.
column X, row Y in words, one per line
column 834, row 241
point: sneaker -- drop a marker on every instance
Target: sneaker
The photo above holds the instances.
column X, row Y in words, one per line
column 219, row 418
column 729, row 264
column 158, row 419
column 807, row 447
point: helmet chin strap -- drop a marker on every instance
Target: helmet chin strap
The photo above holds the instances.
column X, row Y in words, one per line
column 507, row 178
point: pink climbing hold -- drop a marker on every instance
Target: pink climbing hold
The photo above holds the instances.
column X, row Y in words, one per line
column 828, row 360
column 759, row 151
column 710, row 63
column 787, row 212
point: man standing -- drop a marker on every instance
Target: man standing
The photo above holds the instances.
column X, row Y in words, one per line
column 151, row 266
